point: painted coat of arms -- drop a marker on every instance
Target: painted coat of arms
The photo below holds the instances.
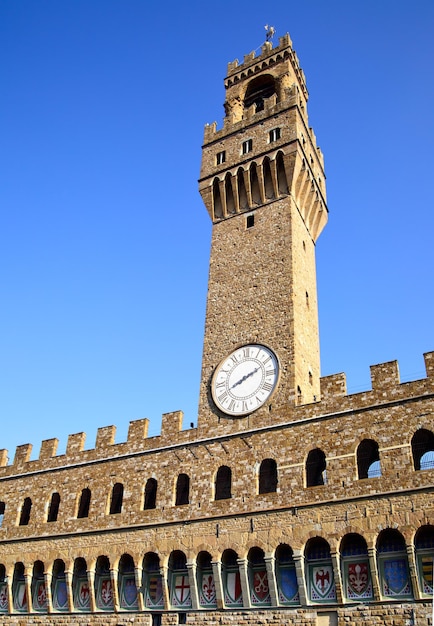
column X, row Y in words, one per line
column 260, row 589
column 233, row 593
column 181, row 591
column 207, row 590
column 358, row 581
column 322, row 583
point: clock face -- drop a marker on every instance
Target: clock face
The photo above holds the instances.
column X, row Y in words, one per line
column 245, row 379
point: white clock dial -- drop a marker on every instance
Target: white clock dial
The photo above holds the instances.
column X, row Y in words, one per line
column 245, row 379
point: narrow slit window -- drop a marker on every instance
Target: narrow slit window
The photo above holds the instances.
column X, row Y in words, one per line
column 247, row 146
column 221, row 157
column 274, row 135
column 250, row 221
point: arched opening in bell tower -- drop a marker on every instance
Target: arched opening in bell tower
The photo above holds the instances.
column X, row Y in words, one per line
column 258, row 91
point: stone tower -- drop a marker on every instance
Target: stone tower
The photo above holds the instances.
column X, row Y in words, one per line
column 262, row 181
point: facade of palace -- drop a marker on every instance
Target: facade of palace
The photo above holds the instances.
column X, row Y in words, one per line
column 290, row 502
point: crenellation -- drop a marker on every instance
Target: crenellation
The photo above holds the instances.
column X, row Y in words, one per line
column 429, row 365
column 171, row 425
column 48, row 449
column 385, row 376
column 105, row 437
column 4, row 458
column 333, row 386
column 75, row 444
column 22, row 454
column 137, row 432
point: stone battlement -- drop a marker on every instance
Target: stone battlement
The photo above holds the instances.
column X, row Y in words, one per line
column 268, row 57
column 386, row 388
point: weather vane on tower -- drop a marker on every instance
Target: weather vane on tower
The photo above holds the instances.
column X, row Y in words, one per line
column 269, row 32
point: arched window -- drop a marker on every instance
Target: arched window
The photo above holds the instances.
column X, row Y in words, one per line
column 53, row 509
column 84, row 504
column 59, row 592
column 393, row 565
column 19, row 592
column 182, row 490
column 229, row 194
column 205, row 581
column 223, row 483
column 150, row 494
column 268, row 476
column 103, row 585
column 281, row 175
column 254, row 185
column 233, row 595
column 152, row 582
column 259, row 90
column 368, row 459
column 286, row 577
column 127, row 587
column 357, row 582
column 116, row 498
column 320, row 577
column 242, row 193
column 424, row 545
column 258, row 578
column 25, row 512
column 422, row 447
column 268, row 179
column 179, row 584
column 316, row 468
column 217, row 201
column 39, row 591
column 80, row 586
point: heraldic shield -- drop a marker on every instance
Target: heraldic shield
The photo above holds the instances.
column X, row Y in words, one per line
column 233, row 593
column 20, row 597
column 104, row 597
column 82, row 595
column 260, row 589
column 40, row 596
column 181, row 596
column 128, row 599
column 60, row 595
column 322, row 583
column 288, row 586
column 358, row 580
column 396, row 581
column 154, row 592
column 3, row 598
column 207, row 591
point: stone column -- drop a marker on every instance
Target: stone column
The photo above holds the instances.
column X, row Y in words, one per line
column 301, row 578
column 8, row 581
column 47, row 580
column 413, row 573
column 191, row 569
column 372, row 554
column 138, row 573
column 28, row 583
column 114, row 580
column 336, row 564
column 218, row 582
column 91, row 582
column 69, row 590
column 271, row 576
column 164, row 571
column 244, row 579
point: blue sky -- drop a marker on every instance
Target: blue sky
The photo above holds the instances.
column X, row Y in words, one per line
column 104, row 241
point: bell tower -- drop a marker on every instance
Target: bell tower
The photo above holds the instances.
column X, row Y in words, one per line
column 262, row 181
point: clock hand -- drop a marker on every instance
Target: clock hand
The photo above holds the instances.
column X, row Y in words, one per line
column 245, row 377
